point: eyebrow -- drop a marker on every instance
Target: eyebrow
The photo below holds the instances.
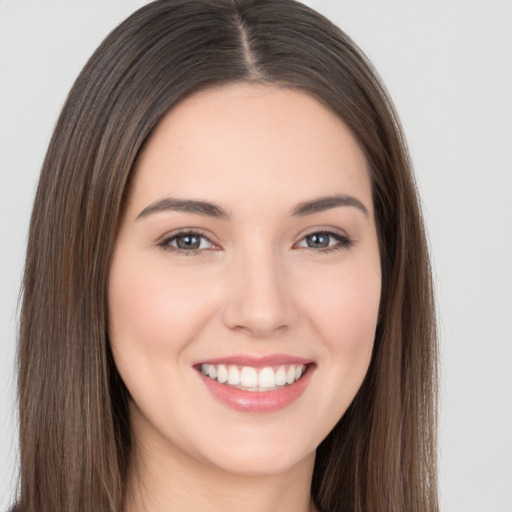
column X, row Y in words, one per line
column 184, row 205
column 212, row 210
column 326, row 203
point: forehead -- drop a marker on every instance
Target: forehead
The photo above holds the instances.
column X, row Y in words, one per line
column 250, row 142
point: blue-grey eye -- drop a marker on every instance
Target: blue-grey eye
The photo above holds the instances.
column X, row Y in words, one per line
column 318, row 240
column 324, row 240
column 187, row 242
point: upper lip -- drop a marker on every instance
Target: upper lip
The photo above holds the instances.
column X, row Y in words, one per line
column 256, row 361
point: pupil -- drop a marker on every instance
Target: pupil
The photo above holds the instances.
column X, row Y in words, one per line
column 318, row 240
column 188, row 242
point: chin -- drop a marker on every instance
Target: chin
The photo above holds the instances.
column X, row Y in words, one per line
column 258, row 460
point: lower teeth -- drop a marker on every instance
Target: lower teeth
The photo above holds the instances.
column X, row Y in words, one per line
column 242, row 388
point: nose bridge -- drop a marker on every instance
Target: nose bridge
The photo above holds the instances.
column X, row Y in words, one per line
column 259, row 300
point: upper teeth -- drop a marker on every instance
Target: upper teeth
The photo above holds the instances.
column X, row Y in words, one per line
column 253, row 379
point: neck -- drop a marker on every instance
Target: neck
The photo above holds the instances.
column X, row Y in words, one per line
column 171, row 480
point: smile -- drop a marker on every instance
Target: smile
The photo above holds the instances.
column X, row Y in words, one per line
column 256, row 384
column 248, row 378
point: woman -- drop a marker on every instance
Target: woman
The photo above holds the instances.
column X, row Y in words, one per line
column 227, row 296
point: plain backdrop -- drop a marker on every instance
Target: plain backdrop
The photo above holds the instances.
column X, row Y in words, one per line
column 448, row 66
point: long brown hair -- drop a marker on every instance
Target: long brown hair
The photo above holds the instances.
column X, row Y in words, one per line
column 75, row 441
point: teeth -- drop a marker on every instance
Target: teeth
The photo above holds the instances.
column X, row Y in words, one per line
column 248, row 377
column 290, row 374
column 267, row 378
column 212, row 371
column 252, row 379
column 233, row 376
column 222, row 374
column 281, row 376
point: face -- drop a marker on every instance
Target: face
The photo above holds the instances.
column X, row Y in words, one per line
column 245, row 282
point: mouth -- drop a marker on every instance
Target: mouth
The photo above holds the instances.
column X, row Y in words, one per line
column 249, row 378
column 256, row 385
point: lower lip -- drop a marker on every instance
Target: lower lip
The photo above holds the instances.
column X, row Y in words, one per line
column 258, row 401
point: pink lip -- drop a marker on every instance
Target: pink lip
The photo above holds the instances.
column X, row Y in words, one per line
column 256, row 361
column 258, row 401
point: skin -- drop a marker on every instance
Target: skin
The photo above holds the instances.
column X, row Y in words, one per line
column 255, row 288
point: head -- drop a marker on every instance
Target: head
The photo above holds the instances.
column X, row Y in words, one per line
column 163, row 56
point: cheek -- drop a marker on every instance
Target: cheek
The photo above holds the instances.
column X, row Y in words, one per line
column 154, row 315
column 147, row 306
column 344, row 308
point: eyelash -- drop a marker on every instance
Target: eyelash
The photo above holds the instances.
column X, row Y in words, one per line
column 343, row 241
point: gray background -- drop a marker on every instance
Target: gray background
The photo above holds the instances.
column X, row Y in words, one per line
column 448, row 66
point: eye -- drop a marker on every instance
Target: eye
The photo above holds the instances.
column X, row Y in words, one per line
column 186, row 242
column 325, row 241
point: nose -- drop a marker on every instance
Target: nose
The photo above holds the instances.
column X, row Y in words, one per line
column 259, row 301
